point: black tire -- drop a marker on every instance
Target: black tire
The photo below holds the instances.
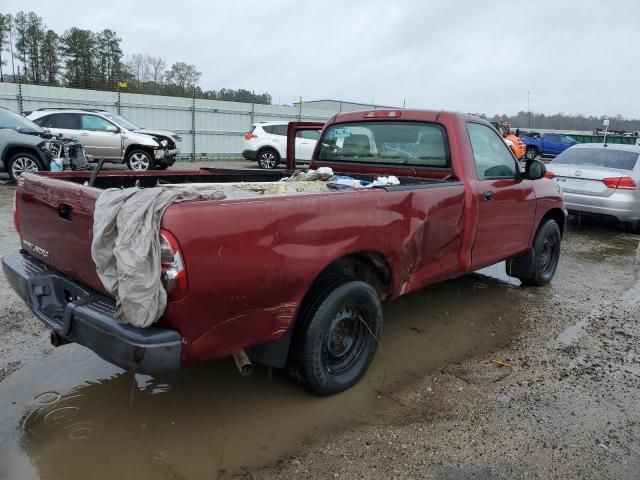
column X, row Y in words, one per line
column 140, row 160
column 336, row 335
column 531, row 153
column 268, row 159
column 23, row 162
column 546, row 247
column 162, row 166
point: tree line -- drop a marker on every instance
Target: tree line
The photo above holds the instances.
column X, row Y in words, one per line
column 30, row 52
column 561, row 121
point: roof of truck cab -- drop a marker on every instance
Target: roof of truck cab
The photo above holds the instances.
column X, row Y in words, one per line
column 406, row 114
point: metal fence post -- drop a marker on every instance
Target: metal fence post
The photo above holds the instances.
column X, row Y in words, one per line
column 118, row 102
column 300, row 110
column 20, row 98
column 252, row 114
column 193, row 127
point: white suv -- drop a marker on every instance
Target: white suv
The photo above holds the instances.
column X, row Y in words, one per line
column 266, row 142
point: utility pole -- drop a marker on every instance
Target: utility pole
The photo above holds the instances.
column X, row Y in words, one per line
column 300, row 110
column 529, row 106
column 13, row 66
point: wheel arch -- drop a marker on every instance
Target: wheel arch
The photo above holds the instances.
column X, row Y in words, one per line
column 367, row 266
column 14, row 148
column 269, row 148
column 137, row 146
column 557, row 214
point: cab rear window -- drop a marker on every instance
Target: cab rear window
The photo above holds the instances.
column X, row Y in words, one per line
column 599, row 157
column 394, row 143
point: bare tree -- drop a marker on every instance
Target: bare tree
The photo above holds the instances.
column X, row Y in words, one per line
column 138, row 67
column 157, row 68
column 183, row 75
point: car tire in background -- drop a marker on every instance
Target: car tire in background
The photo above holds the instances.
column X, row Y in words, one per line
column 139, row 160
column 23, row 162
column 531, row 153
column 546, row 248
column 336, row 334
column 268, row 158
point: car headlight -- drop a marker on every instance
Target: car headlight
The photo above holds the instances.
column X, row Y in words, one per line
column 164, row 143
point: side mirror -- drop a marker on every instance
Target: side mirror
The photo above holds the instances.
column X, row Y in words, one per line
column 112, row 129
column 534, row 169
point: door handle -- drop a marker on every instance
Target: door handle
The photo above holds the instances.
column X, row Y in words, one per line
column 488, row 195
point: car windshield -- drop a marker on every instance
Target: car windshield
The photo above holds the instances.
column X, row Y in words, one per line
column 11, row 120
column 386, row 142
column 121, row 121
column 598, row 157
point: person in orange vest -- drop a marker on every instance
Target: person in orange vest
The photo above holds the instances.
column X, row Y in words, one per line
column 517, row 146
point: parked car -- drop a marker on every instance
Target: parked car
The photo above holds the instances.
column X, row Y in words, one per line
column 266, row 143
column 111, row 136
column 297, row 278
column 600, row 179
column 547, row 144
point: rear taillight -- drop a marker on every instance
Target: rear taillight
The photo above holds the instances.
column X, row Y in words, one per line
column 250, row 136
column 549, row 174
column 16, row 219
column 174, row 273
column 620, row 183
column 382, row 114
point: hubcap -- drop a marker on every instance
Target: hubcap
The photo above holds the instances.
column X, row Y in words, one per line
column 268, row 160
column 344, row 341
column 23, row 164
column 139, row 161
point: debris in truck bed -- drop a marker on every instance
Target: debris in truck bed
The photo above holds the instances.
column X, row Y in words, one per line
column 126, row 247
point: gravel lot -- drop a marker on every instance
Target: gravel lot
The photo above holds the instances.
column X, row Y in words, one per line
column 476, row 378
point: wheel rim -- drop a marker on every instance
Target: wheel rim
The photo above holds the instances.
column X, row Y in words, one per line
column 549, row 256
column 344, row 341
column 23, row 164
column 531, row 154
column 268, row 160
column 139, row 161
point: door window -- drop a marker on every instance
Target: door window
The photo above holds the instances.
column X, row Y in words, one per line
column 492, row 156
column 66, row 121
column 309, row 134
column 92, row 122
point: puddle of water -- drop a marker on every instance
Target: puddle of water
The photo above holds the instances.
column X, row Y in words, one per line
column 71, row 414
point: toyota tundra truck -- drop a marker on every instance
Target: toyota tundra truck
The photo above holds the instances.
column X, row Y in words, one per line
column 291, row 278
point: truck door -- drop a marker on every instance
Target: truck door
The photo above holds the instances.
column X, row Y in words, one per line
column 506, row 203
column 305, row 143
column 100, row 137
column 552, row 144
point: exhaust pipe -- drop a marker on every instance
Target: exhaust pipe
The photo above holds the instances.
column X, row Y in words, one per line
column 245, row 367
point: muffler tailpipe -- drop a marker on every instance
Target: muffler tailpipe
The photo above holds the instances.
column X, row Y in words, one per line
column 245, row 367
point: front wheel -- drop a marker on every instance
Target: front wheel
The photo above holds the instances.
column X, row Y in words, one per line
column 139, row 160
column 546, row 248
column 338, row 337
column 21, row 163
column 531, row 153
column 268, row 159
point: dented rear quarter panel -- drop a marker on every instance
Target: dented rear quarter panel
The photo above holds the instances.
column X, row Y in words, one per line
column 250, row 262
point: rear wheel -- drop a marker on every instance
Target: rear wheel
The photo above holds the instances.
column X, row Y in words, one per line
column 268, row 159
column 139, row 160
column 632, row 227
column 21, row 163
column 531, row 153
column 338, row 335
column 546, row 247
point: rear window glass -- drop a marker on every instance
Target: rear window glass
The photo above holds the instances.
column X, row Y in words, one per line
column 67, row 121
column 598, row 157
column 392, row 143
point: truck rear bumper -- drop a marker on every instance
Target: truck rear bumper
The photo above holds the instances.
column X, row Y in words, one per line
column 81, row 315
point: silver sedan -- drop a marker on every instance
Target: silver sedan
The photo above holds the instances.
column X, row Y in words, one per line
column 600, row 179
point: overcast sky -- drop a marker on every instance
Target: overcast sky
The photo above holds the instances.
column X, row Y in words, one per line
column 474, row 56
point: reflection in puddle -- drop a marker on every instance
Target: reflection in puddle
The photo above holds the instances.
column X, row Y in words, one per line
column 207, row 419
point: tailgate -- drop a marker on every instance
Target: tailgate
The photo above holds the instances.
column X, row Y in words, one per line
column 56, row 224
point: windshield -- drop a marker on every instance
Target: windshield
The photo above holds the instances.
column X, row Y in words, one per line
column 391, row 143
column 121, row 121
column 11, row 120
column 598, row 157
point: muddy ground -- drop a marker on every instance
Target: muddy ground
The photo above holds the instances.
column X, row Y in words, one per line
column 475, row 378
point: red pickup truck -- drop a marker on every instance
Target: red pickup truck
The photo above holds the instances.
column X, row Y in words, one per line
column 296, row 279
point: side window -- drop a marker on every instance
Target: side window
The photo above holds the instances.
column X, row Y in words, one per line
column 492, row 156
column 280, row 130
column 95, row 123
column 309, row 134
column 268, row 129
column 67, row 121
column 552, row 138
column 567, row 139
